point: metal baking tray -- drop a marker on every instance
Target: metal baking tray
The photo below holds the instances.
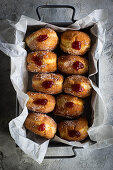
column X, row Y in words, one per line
column 96, row 77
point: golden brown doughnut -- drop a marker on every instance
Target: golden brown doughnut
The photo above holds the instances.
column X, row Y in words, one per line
column 42, row 103
column 73, row 130
column 48, row 83
column 43, row 39
column 75, row 42
column 68, row 106
column 71, row 64
column 41, row 124
column 78, row 86
column 42, row 61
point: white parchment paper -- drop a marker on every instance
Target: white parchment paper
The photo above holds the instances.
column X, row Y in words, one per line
column 12, row 44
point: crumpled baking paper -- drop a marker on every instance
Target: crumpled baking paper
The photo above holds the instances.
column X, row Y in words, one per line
column 12, row 44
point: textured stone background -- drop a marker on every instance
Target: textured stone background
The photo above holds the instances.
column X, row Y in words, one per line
column 12, row 158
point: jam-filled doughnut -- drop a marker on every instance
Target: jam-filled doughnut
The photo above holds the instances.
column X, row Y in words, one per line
column 78, row 86
column 48, row 83
column 70, row 64
column 41, row 124
column 73, row 130
column 75, row 42
column 42, row 103
column 43, row 39
column 68, row 106
column 42, row 61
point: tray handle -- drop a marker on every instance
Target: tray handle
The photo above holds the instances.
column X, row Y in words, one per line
column 56, row 6
column 63, row 157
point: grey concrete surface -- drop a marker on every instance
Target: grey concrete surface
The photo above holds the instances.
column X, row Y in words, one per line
column 12, row 158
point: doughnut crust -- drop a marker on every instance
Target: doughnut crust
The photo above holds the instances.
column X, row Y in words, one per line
column 41, row 61
column 42, row 103
column 70, row 64
column 43, row 39
column 68, row 106
column 48, row 83
column 78, row 86
column 73, row 130
column 75, row 42
column 41, row 124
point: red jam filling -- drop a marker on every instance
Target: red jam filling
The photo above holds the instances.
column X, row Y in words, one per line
column 74, row 133
column 41, row 127
column 41, row 38
column 76, row 45
column 47, row 84
column 37, row 60
column 69, row 104
column 78, row 65
column 77, row 88
column 41, row 101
